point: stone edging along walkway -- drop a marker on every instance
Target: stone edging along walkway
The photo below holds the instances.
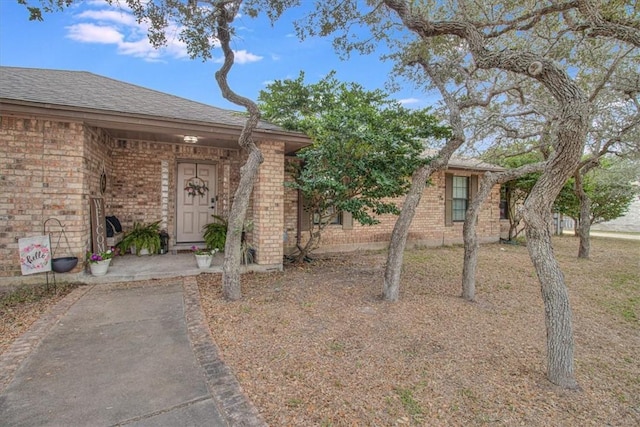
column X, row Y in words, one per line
column 232, row 402
column 18, row 351
column 224, row 388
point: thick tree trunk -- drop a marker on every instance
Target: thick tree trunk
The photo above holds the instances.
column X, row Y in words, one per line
column 471, row 246
column 232, row 259
column 572, row 127
column 470, row 237
column 560, row 369
column 391, row 287
column 248, row 172
column 569, row 139
column 584, row 224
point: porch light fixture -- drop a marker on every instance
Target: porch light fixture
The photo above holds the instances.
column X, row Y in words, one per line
column 190, row 139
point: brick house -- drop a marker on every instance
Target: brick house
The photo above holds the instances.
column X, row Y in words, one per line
column 69, row 139
column 438, row 219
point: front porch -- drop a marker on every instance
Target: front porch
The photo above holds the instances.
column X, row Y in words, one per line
column 129, row 268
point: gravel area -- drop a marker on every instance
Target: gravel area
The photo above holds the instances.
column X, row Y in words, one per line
column 316, row 345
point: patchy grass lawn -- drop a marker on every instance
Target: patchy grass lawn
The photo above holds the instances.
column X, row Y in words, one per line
column 315, row 344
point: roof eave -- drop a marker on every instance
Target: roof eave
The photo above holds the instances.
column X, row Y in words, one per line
column 139, row 122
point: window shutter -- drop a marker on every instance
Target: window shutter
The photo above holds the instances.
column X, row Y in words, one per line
column 448, row 199
column 303, row 214
column 473, row 190
column 347, row 220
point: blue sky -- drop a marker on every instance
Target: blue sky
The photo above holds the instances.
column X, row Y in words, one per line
column 94, row 37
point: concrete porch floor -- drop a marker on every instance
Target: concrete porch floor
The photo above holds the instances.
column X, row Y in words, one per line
column 131, row 268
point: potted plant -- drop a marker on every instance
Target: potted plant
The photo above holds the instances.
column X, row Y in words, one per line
column 204, row 257
column 99, row 262
column 215, row 236
column 247, row 251
column 142, row 239
column 215, row 233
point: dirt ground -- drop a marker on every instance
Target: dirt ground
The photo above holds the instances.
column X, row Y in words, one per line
column 20, row 308
column 316, row 346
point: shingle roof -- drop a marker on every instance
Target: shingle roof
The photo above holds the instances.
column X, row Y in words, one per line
column 461, row 162
column 84, row 90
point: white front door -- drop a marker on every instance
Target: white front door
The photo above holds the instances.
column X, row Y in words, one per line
column 195, row 208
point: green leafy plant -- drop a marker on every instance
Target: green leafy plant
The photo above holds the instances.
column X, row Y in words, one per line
column 96, row 257
column 365, row 148
column 215, row 233
column 206, row 251
column 142, row 236
column 247, row 252
column 215, row 236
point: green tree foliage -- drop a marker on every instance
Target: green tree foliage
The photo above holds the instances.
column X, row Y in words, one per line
column 365, row 146
column 610, row 188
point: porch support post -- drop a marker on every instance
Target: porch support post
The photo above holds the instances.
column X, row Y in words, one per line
column 268, row 205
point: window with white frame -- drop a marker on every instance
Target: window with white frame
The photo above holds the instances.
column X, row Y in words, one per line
column 460, row 197
column 328, row 217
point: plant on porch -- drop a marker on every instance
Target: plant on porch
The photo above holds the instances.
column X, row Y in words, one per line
column 215, row 233
column 215, row 236
column 204, row 257
column 142, row 237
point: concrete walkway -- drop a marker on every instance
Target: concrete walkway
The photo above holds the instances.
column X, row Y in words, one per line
column 608, row 234
column 134, row 354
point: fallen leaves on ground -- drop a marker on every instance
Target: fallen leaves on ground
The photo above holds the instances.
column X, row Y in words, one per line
column 316, row 344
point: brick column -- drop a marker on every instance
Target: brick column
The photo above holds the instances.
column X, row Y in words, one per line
column 268, row 205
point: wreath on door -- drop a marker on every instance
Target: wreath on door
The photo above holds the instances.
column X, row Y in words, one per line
column 196, row 187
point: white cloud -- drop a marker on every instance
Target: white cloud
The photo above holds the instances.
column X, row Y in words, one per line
column 90, row 33
column 408, row 101
column 114, row 25
column 114, row 16
column 140, row 49
column 244, row 57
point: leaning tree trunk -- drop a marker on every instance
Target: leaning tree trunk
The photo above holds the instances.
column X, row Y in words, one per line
column 391, row 287
column 560, row 369
column 400, row 233
column 470, row 237
column 248, row 172
column 469, row 233
column 537, row 215
column 584, row 224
